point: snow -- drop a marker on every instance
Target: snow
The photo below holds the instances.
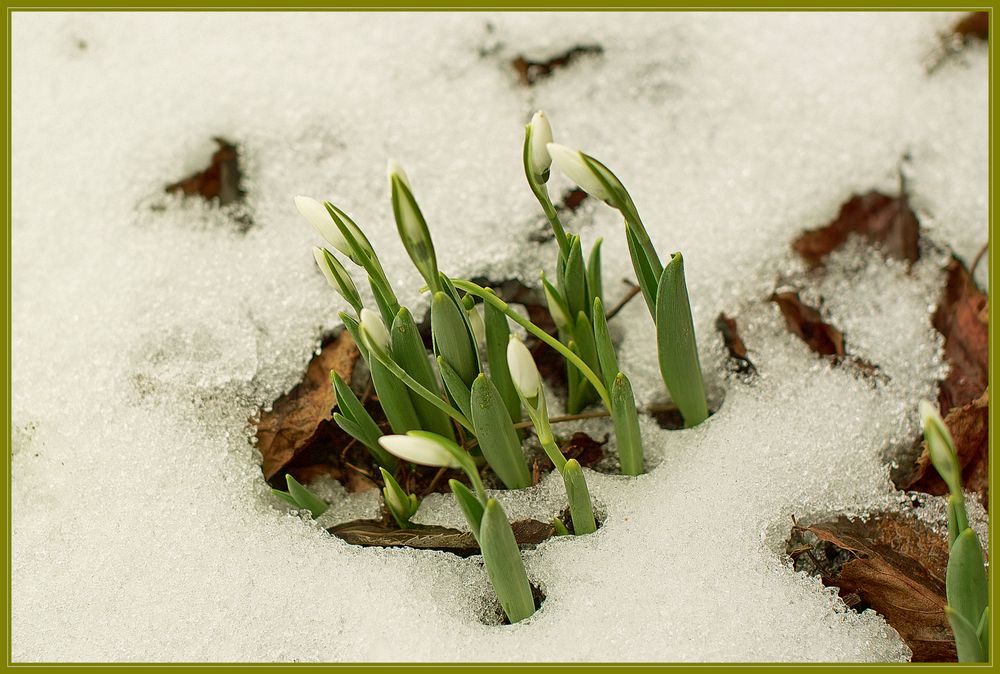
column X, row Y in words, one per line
column 147, row 330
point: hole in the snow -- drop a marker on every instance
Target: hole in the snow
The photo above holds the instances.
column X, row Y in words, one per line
column 221, row 183
column 492, row 613
column 529, row 71
column 668, row 416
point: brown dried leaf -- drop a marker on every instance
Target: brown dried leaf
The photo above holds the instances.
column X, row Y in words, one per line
column 573, row 199
column 806, row 322
column 529, row 71
column 219, row 181
column 974, row 25
column 962, row 317
column 527, row 533
column 883, row 220
column 299, row 415
column 970, row 427
column 734, row 344
column 898, row 568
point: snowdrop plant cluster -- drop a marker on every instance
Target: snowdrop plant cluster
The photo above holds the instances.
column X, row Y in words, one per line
column 966, row 582
column 663, row 287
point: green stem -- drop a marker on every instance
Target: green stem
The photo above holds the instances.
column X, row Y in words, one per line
column 420, row 390
column 552, row 451
column 541, row 193
column 479, row 291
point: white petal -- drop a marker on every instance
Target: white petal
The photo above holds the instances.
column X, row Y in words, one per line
column 317, row 216
column 375, row 328
column 571, row 163
column 522, row 368
column 422, row 451
column 541, row 135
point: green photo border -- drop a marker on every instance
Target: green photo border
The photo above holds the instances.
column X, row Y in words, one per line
column 442, row 5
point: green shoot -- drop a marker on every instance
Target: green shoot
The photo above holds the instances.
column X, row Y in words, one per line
column 301, row 498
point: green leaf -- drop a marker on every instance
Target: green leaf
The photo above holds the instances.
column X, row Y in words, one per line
column 557, row 307
column 504, row 565
column 983, row 632
column 676, row 345
column 583, row 345
column 560, row 528
column 497, row 337
column 305, row 498
column 413, row 231
column 574, row 285
column 359, row 423
column 352, row 326
column 626, row 420
column 966, row 641
column 456, row 388
column 286, row 497
column 497, row 437
column 580, row 507
column 648, row 281
column 408, row 351
column 595, row 284
column 400, row 504
column 954, row 528
column 606, row 356
column 394, row 397
column 387, row 306
column 968, row 588
column 453, row 338
column 471, row 507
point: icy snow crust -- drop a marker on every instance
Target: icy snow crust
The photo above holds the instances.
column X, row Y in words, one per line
column 147, row 330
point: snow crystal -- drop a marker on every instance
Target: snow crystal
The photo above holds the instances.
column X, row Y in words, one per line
column 142, row 527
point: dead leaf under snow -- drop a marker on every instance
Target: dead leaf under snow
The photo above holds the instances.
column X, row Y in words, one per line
column 898, row 568
column 295, row 418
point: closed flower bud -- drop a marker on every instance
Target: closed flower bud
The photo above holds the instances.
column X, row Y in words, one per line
column 523, row 370
column 422, row 450
column 541, row 136
column 317, row 216
column 337, row 276
column 374, row 330
column 571, row 163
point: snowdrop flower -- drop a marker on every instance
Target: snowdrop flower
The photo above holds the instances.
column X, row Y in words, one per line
column 421, row 449
column 411, row 225
column 541, row 136
column 374, row 329
column 571, row 163
column 317, row 216
column 522, row 368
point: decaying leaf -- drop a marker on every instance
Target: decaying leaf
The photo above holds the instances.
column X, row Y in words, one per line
column 897, row 567
column 806, row 322
column 528, row 533
column 219, row 181
column 973, row 25
column 734, row 344
column 296, row 418
column 970, row 427
column 530, row 71
column 962, row 317
column 572, row 200
column 886, row 221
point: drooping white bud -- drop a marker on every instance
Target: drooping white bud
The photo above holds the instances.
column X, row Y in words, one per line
column 571, row 163
column 541, row 136
column 523, row 370
column 420, row 450
column 374, row 329
column 317, row 216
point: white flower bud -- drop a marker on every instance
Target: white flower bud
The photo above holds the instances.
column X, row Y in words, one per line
column 420, row 450
column 317, row 216
column 571, row 163
column 940, row 446
column 541, row 136
column 523, row 370
column 374, row 329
